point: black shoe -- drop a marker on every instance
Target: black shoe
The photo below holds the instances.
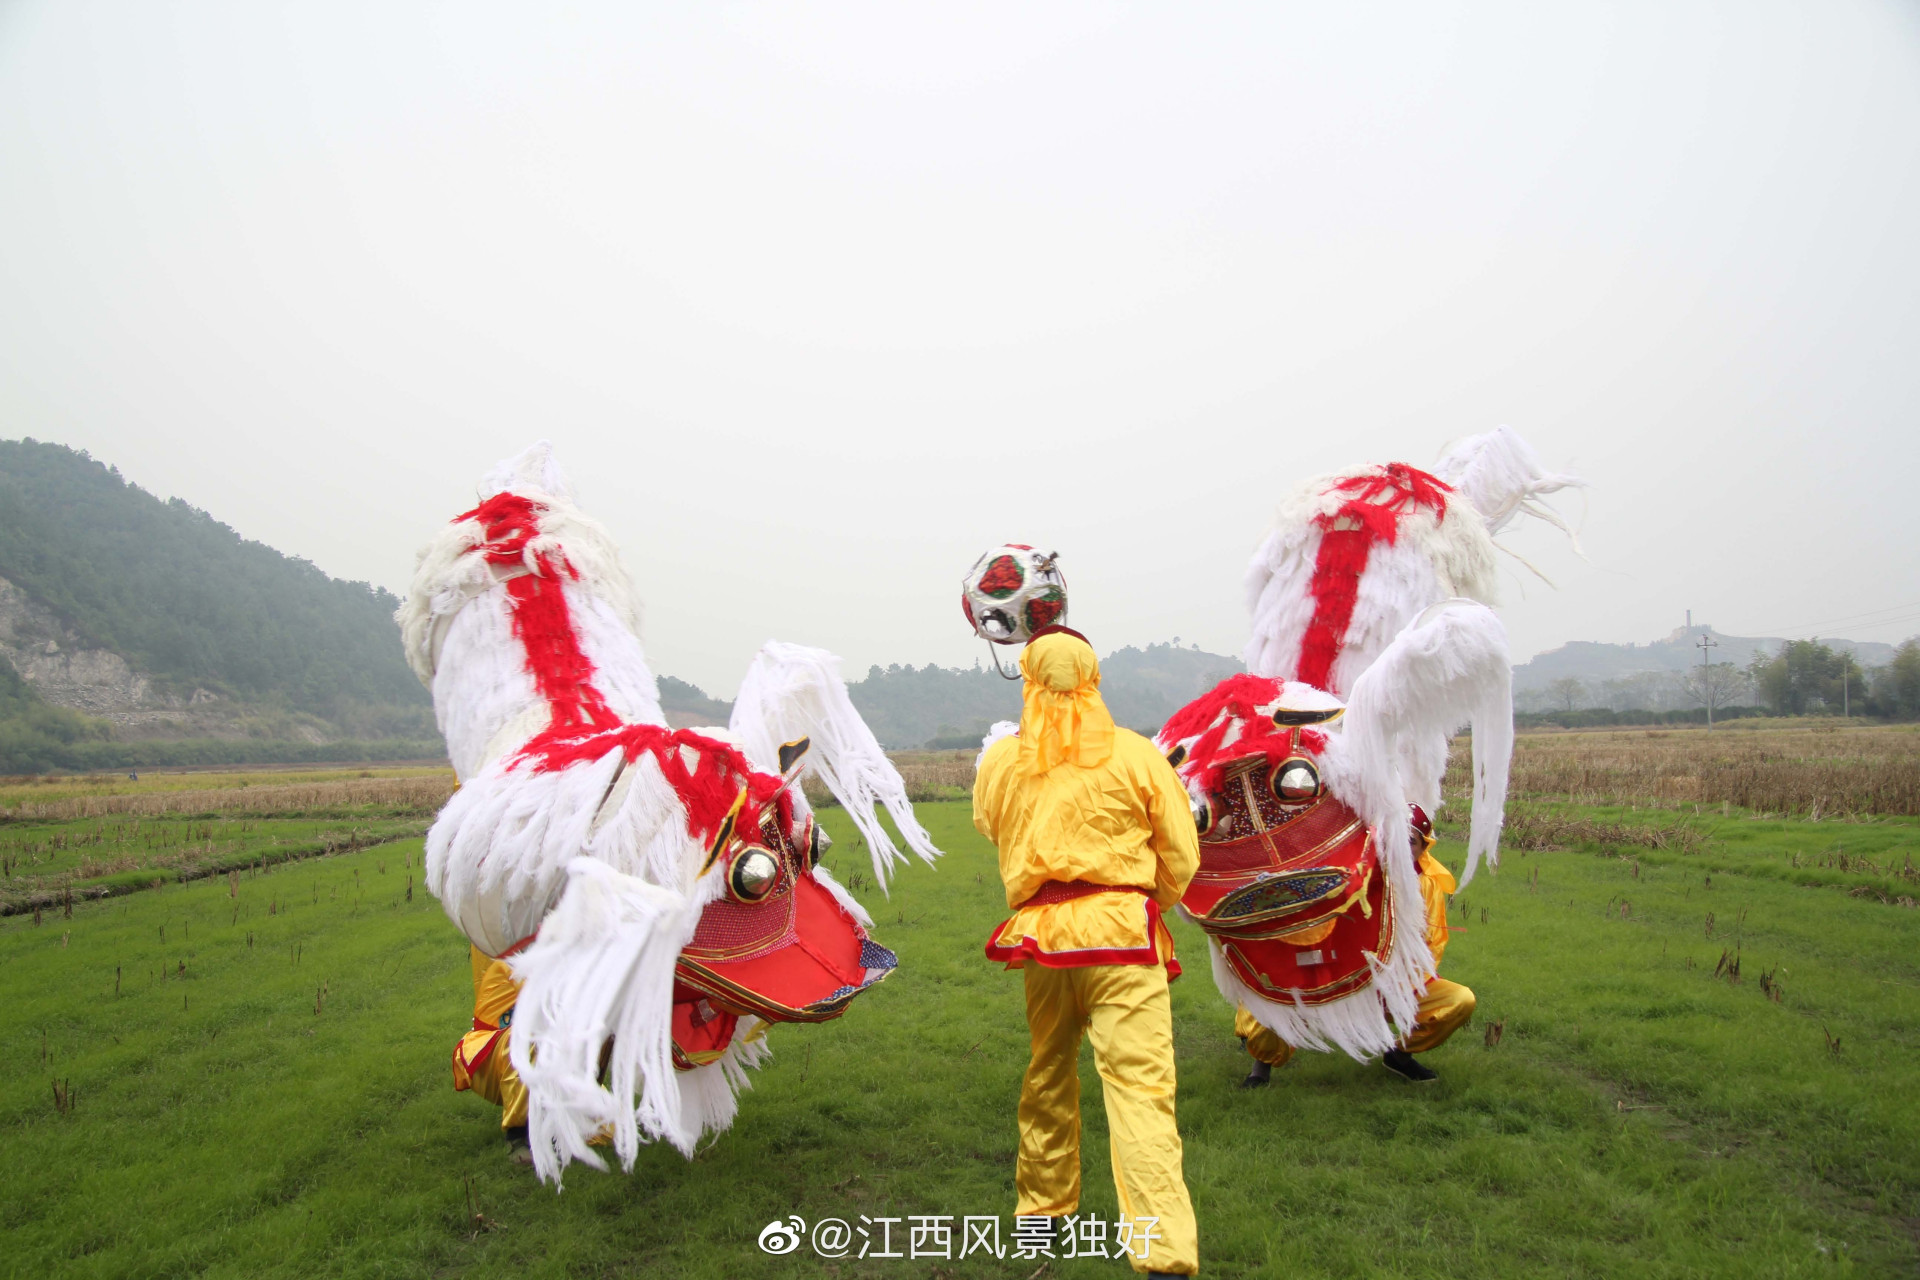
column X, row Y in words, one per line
column 1258, row 1078
column 1404, row 1065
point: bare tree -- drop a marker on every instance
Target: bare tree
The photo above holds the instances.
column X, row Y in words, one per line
column 1567, row 692
column 1714, row 685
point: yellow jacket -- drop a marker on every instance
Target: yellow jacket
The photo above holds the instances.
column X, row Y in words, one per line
column 1125, row 822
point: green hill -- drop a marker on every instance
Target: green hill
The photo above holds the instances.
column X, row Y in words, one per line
column 156, row 619
column 185, row 599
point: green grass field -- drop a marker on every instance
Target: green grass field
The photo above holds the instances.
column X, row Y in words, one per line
column 279, row 1103
column 42, row 862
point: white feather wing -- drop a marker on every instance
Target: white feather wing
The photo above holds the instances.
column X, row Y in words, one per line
column 1447, row 669
column 792, row 692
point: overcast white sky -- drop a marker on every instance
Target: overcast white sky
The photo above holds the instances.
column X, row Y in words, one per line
column 820, row 301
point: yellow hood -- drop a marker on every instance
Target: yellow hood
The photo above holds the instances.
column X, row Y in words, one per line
column 1063, row 719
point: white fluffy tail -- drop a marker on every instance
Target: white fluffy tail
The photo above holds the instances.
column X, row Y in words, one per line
column 1448, row 668
column 793, row 692
column 1501, row 475
column 601, row 968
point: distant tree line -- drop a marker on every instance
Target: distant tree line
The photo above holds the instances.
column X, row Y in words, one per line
column 1605, row 717
column 1895, row 688
column 678, row 695
column 1803, row 677
column 950, row 707
column 908, row 706
column 1806, row 677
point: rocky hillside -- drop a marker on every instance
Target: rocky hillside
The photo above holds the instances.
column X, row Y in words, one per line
column 158, row 621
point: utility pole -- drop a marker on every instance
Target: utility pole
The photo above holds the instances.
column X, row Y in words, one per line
column 1706, row 681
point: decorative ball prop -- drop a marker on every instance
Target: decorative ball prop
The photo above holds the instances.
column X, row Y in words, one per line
column 1012, row 592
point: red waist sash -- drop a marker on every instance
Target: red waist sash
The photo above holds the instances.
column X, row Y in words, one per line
column 1067, row 890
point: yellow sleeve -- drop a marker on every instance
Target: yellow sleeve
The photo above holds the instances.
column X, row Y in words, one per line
column 1176, row 842
column 1434, row 889
column 985, row 779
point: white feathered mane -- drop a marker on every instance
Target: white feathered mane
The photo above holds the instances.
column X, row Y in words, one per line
column 452, row 569
column 1440, row 546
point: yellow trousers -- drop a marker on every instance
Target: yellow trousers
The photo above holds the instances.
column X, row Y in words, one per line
column 1126, row 1012
column 1444, row 1009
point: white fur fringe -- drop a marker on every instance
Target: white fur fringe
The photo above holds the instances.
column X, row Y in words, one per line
column 602, row 968
column 1448, row 669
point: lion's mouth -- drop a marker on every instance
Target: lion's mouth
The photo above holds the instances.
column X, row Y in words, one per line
column 796, row 956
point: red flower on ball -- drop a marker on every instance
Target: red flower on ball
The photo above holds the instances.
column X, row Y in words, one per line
column 1002, row 578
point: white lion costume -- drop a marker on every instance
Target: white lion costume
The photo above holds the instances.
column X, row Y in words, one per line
column 1372, row 644
column 658, row 890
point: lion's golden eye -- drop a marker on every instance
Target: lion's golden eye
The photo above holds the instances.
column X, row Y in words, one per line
column 1295, row 780
column 752, row 873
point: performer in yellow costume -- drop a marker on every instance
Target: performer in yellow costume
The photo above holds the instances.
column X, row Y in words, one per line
column 480, row 1060
column 1444, row 1009
column 1096, row 839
